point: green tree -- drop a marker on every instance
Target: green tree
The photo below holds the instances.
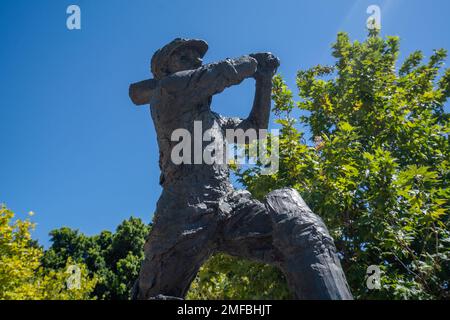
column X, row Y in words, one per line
column 21, row 275
column 224, row 277
column 114, row 258
column 377, row 165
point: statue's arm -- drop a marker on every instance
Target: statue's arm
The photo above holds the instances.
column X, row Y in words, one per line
column 212, row 78
column 260, row 113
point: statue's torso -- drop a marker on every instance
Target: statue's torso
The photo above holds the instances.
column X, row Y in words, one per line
column 170, row 113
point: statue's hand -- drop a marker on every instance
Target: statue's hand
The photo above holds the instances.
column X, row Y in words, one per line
column 267, row 64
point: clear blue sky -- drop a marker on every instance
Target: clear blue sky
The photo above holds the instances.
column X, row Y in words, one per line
column 74, row 149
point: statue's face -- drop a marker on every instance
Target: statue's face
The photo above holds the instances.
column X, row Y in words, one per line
column 184, row 59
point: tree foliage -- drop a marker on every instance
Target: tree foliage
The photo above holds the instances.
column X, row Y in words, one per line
column 22, row 276
column 224, row 277
column 376, row 168
column 114, row 258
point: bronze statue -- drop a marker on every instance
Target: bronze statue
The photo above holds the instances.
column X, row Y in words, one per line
column 199, row 212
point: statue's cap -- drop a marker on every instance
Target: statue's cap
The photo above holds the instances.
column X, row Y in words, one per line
column 160, row 59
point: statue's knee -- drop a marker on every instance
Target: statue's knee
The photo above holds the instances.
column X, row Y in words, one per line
column 293, row 219
column 286, row 203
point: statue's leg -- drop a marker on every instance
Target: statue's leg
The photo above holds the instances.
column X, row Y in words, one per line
column 180, row 241
column 169, row 272
column 247, row 232
column 286, row 233
column 311, row 265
